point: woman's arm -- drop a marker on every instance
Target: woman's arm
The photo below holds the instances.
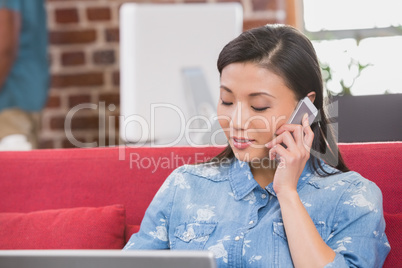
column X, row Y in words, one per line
column 154, row 231
column 358, row 236
column 305, row 243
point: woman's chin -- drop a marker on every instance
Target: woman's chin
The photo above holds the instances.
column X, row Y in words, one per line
column 250, row 154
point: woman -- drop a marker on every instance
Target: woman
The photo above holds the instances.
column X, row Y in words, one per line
column 250, row 210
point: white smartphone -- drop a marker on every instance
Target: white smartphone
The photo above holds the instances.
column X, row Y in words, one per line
column 304, row 106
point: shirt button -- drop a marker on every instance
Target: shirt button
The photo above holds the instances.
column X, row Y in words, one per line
column 251, row 222
column 263, row 196
column 237, row 238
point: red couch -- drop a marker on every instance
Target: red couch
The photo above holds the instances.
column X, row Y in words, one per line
column 96, row 198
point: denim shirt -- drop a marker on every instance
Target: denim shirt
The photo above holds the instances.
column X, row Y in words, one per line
column 221, row 208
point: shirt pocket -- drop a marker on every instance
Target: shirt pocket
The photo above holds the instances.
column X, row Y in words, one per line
column 193, row 236
column 282, row 256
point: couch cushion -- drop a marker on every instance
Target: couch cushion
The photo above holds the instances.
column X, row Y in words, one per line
column 394, row 235
column 74, row 228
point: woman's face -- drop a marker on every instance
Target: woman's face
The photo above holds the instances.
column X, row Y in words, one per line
column 254, row 103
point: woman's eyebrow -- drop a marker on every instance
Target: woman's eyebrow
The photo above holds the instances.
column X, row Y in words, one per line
column 226, row 88
column 251, row 94
column 260, row 93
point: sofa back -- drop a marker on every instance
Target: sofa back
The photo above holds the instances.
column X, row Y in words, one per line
column 66, row 178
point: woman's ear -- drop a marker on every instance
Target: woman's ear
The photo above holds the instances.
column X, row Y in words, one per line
column 311, row 96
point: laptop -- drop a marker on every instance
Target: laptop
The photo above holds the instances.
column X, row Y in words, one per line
column 106, row 259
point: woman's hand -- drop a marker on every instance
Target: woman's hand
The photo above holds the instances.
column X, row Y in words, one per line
column 298, row 139
column 307, row 248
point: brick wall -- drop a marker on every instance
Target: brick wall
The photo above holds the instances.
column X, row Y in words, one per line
column 84, row 57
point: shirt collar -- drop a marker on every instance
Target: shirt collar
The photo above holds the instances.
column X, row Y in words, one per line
column 242, row 180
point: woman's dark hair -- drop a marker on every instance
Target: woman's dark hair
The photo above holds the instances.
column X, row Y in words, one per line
column 289, row 54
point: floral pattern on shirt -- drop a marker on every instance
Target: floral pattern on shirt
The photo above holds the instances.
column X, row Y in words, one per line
column 161, row 231
column 219, row 249
column 342, row 244
column 224, row 210
column 205, row 214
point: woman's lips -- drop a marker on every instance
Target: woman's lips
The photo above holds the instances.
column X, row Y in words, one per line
column 242, row 143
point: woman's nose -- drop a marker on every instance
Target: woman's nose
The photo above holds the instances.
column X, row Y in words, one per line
column 239, row 117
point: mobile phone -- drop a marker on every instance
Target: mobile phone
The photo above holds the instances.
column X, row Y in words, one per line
column 304, row 106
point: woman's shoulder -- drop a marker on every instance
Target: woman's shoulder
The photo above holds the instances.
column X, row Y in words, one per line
column 210, row 170
column 353, row 188
column 338, row 177
column 194, row 176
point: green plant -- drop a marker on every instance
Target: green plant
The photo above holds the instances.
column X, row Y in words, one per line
column 346, row 88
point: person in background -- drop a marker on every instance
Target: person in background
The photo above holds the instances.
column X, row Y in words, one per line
column 24, row 74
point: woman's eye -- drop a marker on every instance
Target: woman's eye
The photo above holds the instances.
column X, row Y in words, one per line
column 226, row 103
column 259, row 109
